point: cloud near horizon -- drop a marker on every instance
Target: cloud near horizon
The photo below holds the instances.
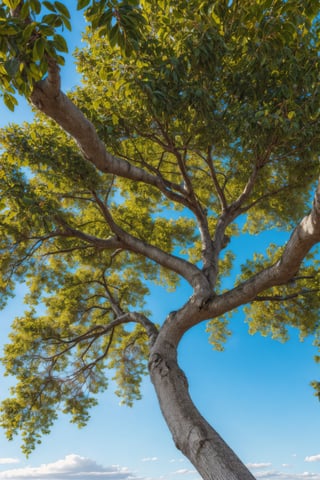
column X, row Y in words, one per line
column 263, row 471
column 274, row 475
column 76, row 467
column 72, row 466
column 258, row 465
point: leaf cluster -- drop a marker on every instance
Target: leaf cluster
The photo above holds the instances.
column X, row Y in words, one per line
column 295, row 304
column 30, row 34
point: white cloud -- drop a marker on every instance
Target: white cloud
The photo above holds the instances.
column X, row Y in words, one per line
column 274, row 475
column 263, row 471
column 259, row 465
column 72, row 466
column 313, row 458
column 6, row 461
column 149, row 459
column 183, row 471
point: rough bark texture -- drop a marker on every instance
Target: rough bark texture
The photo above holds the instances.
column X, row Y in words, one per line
column 192, row 434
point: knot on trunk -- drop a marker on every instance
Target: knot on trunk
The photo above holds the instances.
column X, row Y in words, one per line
column 157, row 362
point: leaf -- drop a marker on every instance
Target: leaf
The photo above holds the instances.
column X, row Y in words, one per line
column 67, row 23
column 60, row 43
column 25, row 11
column 38, row 49
column 49, row 6
column 52, row 19
column 114, row 35
column 12, row 66
column 62, row 9
column 28, row 31
column 82, row 4
column 10, row 101
column 36, row 6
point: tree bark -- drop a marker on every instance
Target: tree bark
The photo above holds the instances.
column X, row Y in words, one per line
column 192, row 434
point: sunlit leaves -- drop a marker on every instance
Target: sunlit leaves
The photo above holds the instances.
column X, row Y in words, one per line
column 133, row 352
column 34, row 31
column 295, row 304
column 123, row 23
column 218, row 332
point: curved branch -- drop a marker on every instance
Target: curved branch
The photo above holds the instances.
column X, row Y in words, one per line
column 111, row 243
column 178, row 265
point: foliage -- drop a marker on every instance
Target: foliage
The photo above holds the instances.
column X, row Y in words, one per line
column 294, row 304
column 219, row 102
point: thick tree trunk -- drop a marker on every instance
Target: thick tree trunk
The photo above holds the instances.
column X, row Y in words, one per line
column 192, row 434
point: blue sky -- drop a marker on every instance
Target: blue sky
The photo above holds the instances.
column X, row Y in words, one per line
column 256, row 394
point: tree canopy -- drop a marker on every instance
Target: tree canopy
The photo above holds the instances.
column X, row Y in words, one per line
column 195, row 122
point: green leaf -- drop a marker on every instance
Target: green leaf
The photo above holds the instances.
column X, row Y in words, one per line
column 49, row 6
column 67, row 23
column 82, row 4
column 10, row 101
column 52, row 19
column 38, row 49
column 60, row 43
column 114, row 35
column 36, row 6
column 25, row 11
column 12, row 66
column 62, row 9
column 28, row 31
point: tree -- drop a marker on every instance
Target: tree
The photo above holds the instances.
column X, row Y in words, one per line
column 195, row 121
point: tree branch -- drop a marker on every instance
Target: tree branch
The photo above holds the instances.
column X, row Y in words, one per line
column 178, row 265
column 201, row 217
column 99, row 330
column 111, row 243
column 219, row 190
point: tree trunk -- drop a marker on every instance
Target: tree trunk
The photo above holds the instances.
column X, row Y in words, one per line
column 192, row 434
